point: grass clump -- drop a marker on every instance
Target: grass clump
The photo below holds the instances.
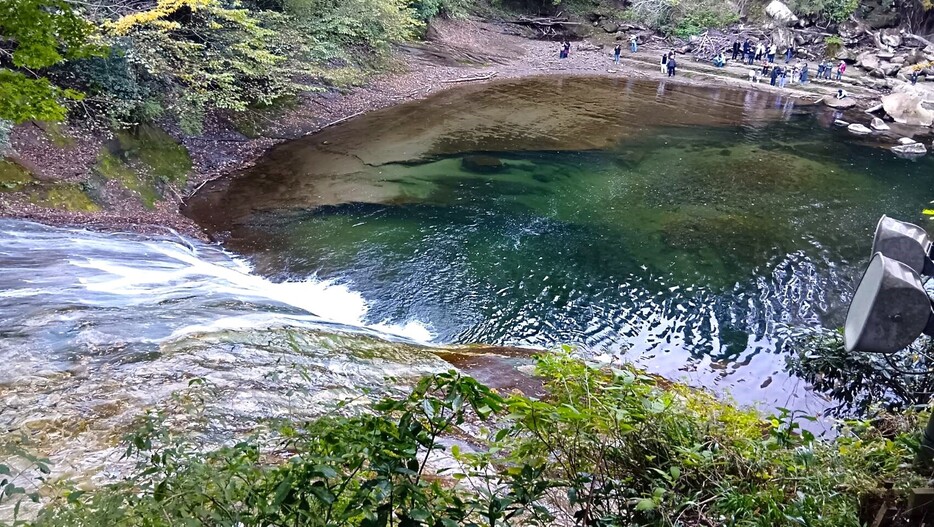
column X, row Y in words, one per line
column 607, row 447
column 112, row 167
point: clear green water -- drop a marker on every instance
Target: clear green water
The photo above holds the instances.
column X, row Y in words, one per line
column 686, row 228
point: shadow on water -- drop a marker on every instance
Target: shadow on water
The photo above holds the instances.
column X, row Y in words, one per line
column 686, row 228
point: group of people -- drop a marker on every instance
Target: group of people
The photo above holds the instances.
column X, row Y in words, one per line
column 751, row 54
column 780, row 74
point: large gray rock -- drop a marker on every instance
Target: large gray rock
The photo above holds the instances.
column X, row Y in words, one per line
column 868, row 61
column 912, row 150
column 891, row 37
column 906, row 141
column 905, row 107
column 780, row 13
column 878, row 124
column 840, row 122
column 858, row 129
column 889, row 69
column 609, row 26
column 833, row 102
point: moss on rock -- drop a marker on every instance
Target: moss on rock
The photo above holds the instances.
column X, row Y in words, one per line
column 13, row 177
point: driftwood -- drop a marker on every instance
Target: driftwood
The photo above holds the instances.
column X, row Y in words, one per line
column 544, row 21
column 919, row 39
column 486, row 77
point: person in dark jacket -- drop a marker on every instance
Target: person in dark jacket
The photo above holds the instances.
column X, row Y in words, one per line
column 775, row 73
column 735, row 49
column 672, row 64
column 616, row 52
column 747, row 52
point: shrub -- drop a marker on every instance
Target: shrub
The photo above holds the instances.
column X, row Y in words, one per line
column 605, row 447
column 37, row 34
column 210, row 56
column 832, row 10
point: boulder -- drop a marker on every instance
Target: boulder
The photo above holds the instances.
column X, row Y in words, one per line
column 906, row 141
column 878, row 73
column 833, row 102
column 885, row 55
column 905, row 107
column 911, row 150
column 780, row 13
column 868, row 61
column 587, row 46
column 858, row 129
column 878, row 124
column 609, row 26
column 845, row 54
column 891, row 37
column 482, row 164
column 840, row 122
column 889, row 69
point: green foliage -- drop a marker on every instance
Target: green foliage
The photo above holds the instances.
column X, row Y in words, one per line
column 37, row 34
column 425, row 10
column 682, row 18
column 863, row 382
column 832, row 10
column 210, row 56
column 606, row 448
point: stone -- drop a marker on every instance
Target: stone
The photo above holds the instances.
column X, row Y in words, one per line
column 906, row 141
column 845, row 54
column 840, row 122
column 891, row 37
column 868, row 61
column 482, row 164
column 889, row 69
column 833, row 102
column 609, row 26
column 878, row 124
column 858, row 129
column 905, row 107
column 780, row 13
column 899, row 59
column 885, row 55
column 910, row 150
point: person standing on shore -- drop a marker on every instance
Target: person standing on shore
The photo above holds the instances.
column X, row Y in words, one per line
column 633, row 44
column 760, row 50
column 774, row 76
column 664, row 63
column 773, row 49
column 782, row 76
column 672, row 64
column 735, row 48
column 820, row 69
column 789, row 52
column 616, row 52
column 746, row 51
column 804, row 73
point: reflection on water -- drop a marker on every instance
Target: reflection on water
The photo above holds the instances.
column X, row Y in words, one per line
column 686, row 227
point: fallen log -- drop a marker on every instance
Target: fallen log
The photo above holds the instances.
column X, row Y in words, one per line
column 471, row 79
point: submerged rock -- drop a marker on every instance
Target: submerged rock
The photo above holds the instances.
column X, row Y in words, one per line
column 834, row 102
column 483, row 164
column 841, row 122
column 858, row 129
column 878, row 124
column 910, row 150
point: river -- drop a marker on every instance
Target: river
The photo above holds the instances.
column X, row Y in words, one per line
column 682, row 228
